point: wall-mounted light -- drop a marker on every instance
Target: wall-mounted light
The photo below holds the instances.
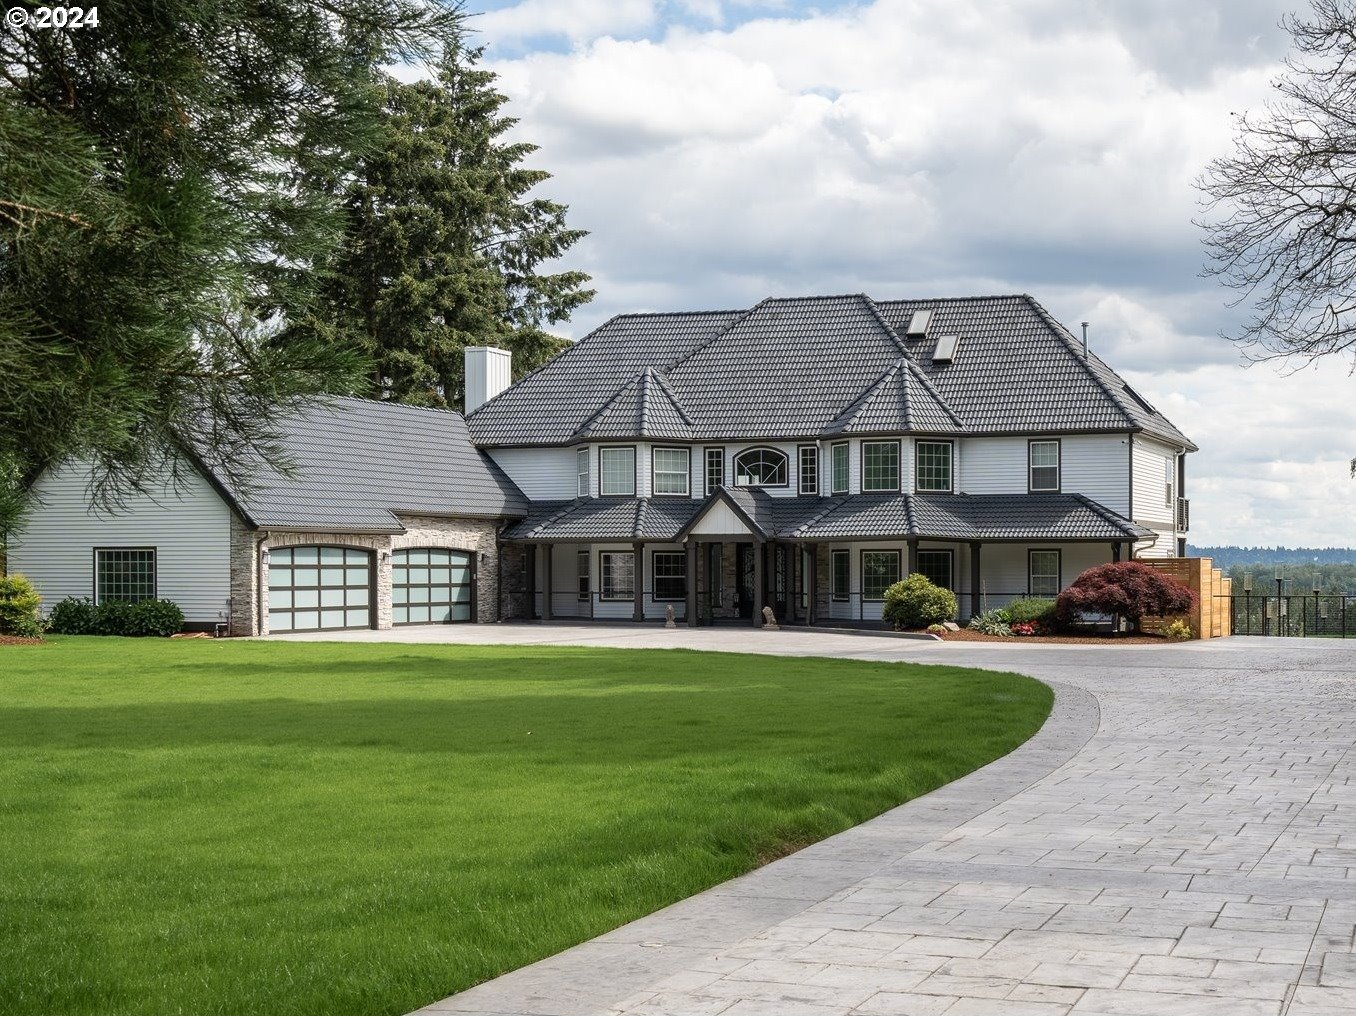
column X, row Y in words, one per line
column 264, row 557
column 386, row 557
column 484, row 558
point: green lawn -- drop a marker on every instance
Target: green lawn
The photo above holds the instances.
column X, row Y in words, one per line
column 211, row 826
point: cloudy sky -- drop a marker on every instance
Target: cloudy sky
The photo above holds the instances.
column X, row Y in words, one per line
column 722, row 151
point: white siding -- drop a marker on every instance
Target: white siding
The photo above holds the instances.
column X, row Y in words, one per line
column 543, row 474
column 1155, row 468
column 1094, row 465
column 189, row 528
column 1097, row 466
column 720, row 521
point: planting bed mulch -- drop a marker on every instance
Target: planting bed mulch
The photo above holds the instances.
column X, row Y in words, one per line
column 971, row 636
column 19, row 641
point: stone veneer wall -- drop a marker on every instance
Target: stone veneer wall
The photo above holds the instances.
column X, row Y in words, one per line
column 514, row 600
column 463, row 534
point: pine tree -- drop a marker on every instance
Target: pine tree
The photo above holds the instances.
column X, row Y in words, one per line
column 443, row 247
column 168, row 186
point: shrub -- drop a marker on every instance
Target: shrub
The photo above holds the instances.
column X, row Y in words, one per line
column 991, row 623
column 1179, row 628
column 1026, row 629
column 915, row 603
column 79, row 616
column 19, row 607
column 155, row 618
column 74, row 616
column 1125, row 589
column 1031, row 610
column 936, row 629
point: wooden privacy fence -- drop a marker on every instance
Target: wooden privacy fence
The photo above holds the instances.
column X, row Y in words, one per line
column 1210, row 619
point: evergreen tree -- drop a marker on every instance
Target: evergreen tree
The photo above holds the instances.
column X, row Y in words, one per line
column 169, row 182
column 443, row 247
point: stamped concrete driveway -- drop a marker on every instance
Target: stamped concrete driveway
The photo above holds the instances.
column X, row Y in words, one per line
column 1179, row 838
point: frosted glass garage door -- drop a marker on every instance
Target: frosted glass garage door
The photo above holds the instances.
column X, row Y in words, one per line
column 312, row 588
column 431, row 584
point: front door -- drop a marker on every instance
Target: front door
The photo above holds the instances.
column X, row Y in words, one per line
column 744, row 569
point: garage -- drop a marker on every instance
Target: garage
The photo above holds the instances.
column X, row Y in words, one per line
column 432, row 584
column 315, row 588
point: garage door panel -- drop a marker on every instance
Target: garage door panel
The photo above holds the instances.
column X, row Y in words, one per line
column 318, row 587
column 431, row 585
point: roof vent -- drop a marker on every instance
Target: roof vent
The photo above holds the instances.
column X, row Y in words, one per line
column 945, row 350
column 918, row 324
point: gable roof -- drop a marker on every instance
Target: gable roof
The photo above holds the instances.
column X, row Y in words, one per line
column 808, row 366
column 358, row 462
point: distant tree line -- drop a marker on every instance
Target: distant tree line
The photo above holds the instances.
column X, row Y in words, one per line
column 1334, row 568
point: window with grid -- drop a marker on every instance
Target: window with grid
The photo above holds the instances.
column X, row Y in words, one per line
column 124, row 573
column 715, row 468
column 760, row 467
column 1168, row 470
column 840, row 453
column 1043, row 573
column 809, row 469
column 934, row 466
column 670, row 575
column 842, row 574
column 1043, row 457
column 582, row 469
column 880, row 466
column 617, row 471
column 618, row 573
column 583, row 575
column 672, row 468
column 880, row 570
column 936, row 565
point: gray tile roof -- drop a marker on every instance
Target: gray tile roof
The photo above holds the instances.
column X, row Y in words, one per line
column 801, row 367
column 606, row 519
column 971, row 517
column 645, row 405
column 359, row 462
column 873, row 516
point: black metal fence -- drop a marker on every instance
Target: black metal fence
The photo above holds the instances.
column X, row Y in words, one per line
column 1253, row 613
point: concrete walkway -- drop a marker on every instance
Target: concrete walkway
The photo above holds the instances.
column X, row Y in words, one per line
column 1179, row 838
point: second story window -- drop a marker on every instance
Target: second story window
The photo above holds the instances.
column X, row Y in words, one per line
column 760, row 467
column 933, row 472
column 880, row 466
column 617, row 471
column 715, row 468
column 809, row 469
column 840, row 456
column 672, row 468
column 582, row 469
column 1043, row 464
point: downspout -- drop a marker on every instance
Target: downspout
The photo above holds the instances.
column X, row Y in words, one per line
column 259, row 582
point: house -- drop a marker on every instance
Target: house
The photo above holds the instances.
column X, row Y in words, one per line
column 802, row 455
column 807, row 453
column 390, row 517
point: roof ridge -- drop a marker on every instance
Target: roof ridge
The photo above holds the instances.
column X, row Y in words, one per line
column 571, row 504
column 835, row 501
column 952, row 300
column 932, row 391
column 668, row 392
column 1107, row 515
column 712, row 338
column 596, row 415
column 864, row 398
column 885, row 325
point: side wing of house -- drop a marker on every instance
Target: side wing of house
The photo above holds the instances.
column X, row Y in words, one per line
column 1154, row 468
column 172, row 542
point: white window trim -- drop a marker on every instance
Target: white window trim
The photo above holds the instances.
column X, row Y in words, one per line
column 898, row 471
column 1031, row 466
column 1031, row 572
column 814, row 469
column 582, row 469
column 917, row 467
column 833, row 467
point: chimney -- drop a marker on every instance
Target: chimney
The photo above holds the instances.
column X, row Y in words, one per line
column 1085, row 340
column 489, row 370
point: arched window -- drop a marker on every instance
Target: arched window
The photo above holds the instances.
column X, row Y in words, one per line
column 760, row 467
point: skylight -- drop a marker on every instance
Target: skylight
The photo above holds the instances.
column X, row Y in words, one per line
column 918, row 324
column 945, row 350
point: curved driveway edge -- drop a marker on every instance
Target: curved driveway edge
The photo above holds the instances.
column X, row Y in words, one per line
column 598, row 976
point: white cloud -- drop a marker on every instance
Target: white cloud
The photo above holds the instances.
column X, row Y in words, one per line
column 575, row 20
